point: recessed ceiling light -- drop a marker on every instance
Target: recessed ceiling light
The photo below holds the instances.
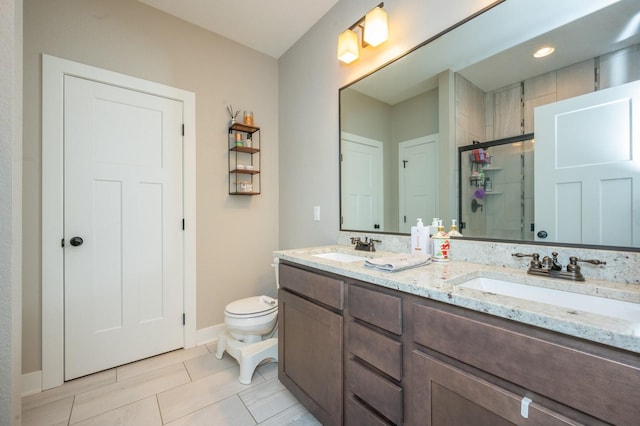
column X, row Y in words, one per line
column 543, row 51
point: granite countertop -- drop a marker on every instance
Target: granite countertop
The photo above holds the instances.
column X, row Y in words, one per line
column 438, row 281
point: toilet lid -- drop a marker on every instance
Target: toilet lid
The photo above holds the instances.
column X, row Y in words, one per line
column 252, row 306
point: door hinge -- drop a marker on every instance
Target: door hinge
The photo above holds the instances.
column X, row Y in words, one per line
column 62, row 242
column 183, row 224
column 184, row 319
column 183, row 130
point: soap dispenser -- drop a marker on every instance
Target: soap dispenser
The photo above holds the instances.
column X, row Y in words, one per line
column 433, row 228
column 441, row 244
column 419, row 238
column 453, row 231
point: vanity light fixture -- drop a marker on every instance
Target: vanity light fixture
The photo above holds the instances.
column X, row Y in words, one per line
column 374, row 29
column 543, row 51
column 348, row 46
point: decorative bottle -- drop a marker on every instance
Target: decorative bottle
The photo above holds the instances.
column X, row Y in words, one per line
column 441, row 245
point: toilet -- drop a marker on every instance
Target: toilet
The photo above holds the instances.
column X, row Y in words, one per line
column 250, row 334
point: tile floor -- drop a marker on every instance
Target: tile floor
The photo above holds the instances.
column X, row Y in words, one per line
column 184, row 387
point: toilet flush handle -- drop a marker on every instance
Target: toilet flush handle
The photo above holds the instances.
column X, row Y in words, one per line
column 268, row 300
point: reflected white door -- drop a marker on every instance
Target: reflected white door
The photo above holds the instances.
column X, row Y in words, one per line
column 362, row 177
column 418, row 182
column 587, row 168
column 123, row 197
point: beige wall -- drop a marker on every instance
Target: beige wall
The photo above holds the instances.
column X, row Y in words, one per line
column 366, row 116
column 10, row 209
column 235, row 234
column 310, row 77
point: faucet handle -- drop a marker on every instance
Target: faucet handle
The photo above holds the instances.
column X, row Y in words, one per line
column 372, row 242
column 573, row 265
column 525, row 255
column 535, row 261
column 592, row 261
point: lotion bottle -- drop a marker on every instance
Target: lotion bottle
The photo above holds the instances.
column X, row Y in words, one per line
column 419, row 238
column 433, row 228
column 453, row 231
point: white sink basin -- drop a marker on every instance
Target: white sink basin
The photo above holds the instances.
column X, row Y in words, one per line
column 627, row 311
column 340, row 257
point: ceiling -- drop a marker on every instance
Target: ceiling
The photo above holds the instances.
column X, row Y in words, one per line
column 270, row 27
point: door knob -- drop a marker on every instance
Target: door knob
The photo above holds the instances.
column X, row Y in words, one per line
column 76, row 241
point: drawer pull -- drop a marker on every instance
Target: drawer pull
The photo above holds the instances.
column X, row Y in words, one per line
column 524, row 407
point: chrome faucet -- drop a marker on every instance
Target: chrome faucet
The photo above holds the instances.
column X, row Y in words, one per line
column 550, row 267
column 366, row 245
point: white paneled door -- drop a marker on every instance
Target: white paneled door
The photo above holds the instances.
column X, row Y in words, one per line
column 417, row 181
column 362, row 177
column 123, row 236
column 587, row 168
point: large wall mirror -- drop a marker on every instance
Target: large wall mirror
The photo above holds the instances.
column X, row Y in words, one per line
column 402, row 127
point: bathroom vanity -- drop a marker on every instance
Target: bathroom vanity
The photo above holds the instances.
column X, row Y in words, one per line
column 363, row 347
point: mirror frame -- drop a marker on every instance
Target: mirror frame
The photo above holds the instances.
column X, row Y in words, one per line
column 480, row 239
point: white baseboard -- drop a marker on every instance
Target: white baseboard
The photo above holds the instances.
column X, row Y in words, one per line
column 31, row 383
column 209, row 334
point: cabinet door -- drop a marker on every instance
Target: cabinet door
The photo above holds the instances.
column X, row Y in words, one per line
column 445, row 395
column 310, row 356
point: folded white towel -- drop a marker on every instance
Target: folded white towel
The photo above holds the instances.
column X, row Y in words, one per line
column 397, row 262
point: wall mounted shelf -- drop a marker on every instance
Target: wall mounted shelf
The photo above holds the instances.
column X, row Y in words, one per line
column 244, row 159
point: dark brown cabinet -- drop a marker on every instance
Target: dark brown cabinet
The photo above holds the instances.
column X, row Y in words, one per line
column 472, row 369
column 373, row 356
column 445, row 395
column 358, row 354
column 310, row 341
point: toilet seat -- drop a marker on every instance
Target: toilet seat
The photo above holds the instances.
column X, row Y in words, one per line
column 251, row 307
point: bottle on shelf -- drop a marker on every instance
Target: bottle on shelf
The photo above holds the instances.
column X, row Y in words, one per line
column 247, row 118
column 488, row 186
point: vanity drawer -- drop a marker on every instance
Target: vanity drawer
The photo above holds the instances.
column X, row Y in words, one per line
column 357, row 414
column 327, row 290
column 591, row 383
column 379, row 393
column 377, row 308
column 380, row 351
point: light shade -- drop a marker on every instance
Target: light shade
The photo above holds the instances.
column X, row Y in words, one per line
column 348, row 47
column 375, row 27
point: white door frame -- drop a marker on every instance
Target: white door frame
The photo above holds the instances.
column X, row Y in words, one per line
column 53, row 72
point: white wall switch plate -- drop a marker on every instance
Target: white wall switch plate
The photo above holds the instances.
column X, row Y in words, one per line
column 316, row 213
